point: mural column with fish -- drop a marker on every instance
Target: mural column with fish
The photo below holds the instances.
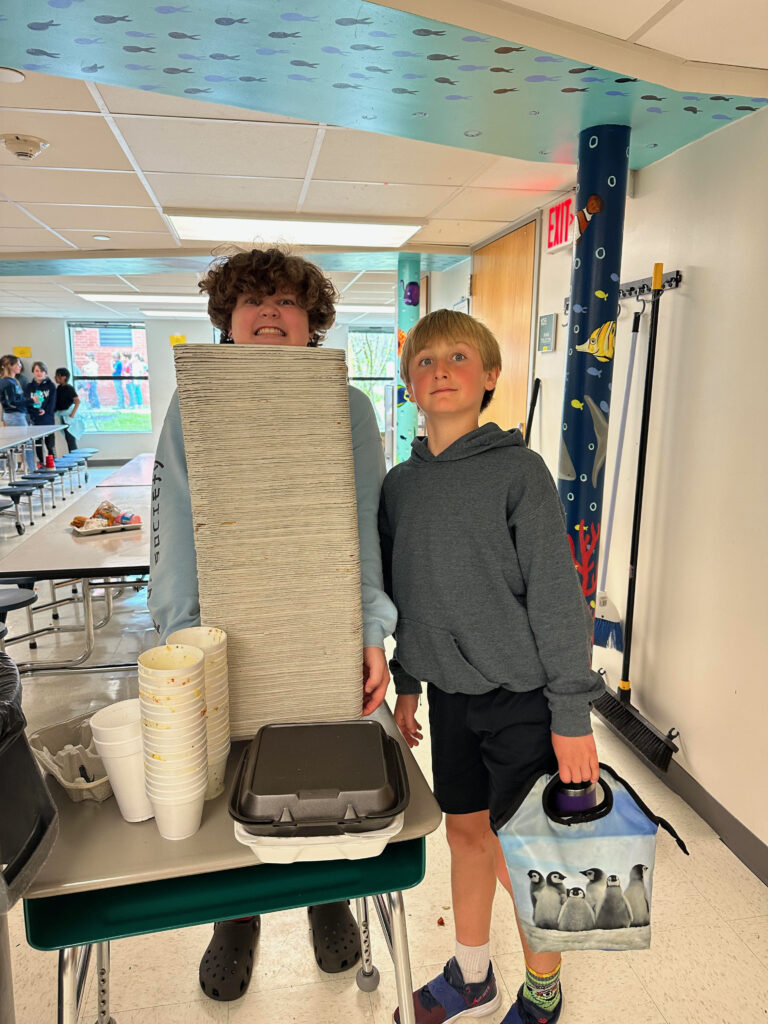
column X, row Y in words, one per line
column 595, row 274
column 408, row 295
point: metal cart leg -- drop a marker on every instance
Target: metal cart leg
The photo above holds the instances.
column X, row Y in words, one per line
column 73, row 970
column 391, row 913
column 7, row 1012
column 102, row 983
column 367, row 975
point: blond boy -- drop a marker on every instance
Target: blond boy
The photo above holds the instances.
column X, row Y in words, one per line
column 491, row 616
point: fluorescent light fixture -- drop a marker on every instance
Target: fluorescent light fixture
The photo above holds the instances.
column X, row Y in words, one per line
column 176, row 314
column 294, row 232
column 138, row 298
column 388, row 310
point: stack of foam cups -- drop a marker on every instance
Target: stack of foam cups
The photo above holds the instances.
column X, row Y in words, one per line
column 213, row 643
column 116, row 732
column 173, row 726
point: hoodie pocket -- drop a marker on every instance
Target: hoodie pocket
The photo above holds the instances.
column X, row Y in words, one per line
column 433, row 655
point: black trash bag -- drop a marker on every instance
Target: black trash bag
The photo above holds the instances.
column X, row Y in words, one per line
column 12, row 718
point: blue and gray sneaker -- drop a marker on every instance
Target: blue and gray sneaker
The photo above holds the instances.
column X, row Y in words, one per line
column 449, row 997
column 524, row 1012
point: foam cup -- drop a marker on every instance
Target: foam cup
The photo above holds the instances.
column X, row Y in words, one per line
column 216, row 771
column 178, row 819
column 119, row 721
column 126, row 776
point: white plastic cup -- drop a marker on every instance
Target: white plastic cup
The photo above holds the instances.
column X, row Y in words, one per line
column 178, row 819
column 120, row 721
column 126, row 776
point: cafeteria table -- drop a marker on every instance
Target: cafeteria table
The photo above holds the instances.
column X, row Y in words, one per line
column 107, row 879
column 15, row 438
column 136, row 473
column 99, row 561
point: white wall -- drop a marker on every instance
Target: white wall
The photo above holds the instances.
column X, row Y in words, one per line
column 47, row 338
column 699, row 650
column 447, row 287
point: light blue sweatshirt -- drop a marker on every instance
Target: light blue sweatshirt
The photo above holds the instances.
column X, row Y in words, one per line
column 172, row 596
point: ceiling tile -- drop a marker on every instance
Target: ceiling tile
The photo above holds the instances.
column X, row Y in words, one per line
column 493, row 204
column 134, row 101
column 76, row 140
column 457, row 232
column 507, row 172
column 256, row 150
column 122, row 240
column 606, row 16
column 13, row 217
column 47, row 92
column 348, row 199
column 735, row 33
column 26, row 237
column 98, row 219
column 362, row 156
column 217, row 192
column 99, row 188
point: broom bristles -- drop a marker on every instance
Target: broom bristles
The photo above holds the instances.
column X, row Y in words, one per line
column 629, row 725
column 608, row 634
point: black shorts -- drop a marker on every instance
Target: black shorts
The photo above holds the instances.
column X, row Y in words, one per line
column 485, row 747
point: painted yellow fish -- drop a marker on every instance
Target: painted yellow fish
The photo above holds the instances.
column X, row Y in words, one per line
column 601, row 295
column 601, row 343
column 577, row 404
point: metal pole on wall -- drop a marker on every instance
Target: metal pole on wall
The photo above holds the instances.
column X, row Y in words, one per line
column 408, row 295
column 603, row 161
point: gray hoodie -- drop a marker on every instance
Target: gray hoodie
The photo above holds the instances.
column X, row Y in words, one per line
column 477, row 561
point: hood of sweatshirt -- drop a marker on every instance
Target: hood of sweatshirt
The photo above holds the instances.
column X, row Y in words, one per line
column 476, row 441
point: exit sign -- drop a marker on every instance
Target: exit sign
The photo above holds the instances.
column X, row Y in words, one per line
column 559, row 225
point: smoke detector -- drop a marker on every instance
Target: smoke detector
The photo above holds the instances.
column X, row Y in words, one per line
column 24, row 147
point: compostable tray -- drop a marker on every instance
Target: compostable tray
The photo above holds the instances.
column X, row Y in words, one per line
column 319, row 779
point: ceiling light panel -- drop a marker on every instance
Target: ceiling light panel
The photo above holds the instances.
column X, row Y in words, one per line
column 294, row 232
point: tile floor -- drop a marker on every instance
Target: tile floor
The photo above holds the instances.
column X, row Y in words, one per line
column 708, row 963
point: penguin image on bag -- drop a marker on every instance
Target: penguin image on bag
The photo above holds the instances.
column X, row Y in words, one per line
column 549, row 900
column 615, row 911
column 595, row 887
column 582, row 878
column 576, row 915
column 537, row 884
column 637, row 896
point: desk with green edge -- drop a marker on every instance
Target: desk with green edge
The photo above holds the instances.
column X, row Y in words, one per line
column 107, row 879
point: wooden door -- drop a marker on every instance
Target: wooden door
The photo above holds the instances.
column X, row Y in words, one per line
column 502, row 297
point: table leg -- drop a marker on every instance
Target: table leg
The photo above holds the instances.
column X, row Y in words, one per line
column 73, row 970
column 367, row 976
column 102, row 982
column 7, row 1013
column 391, row 911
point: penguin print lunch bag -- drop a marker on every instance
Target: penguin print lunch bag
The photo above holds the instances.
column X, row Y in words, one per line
column 582, row 879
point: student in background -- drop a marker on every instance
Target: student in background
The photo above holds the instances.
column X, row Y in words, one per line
column 42, row 392
column 13, row 400
column 91, row 369
column 117, row 373
column 67, row 404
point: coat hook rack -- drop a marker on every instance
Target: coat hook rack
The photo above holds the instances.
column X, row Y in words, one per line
column 638, row 289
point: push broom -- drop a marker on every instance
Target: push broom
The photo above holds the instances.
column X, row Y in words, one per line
column 607, row 631
column 616, row 709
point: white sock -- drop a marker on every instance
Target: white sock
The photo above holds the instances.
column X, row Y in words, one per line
column 473, row 961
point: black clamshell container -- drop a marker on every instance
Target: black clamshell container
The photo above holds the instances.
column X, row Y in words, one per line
column 319, row 779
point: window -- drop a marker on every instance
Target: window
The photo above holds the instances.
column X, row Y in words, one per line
column 110, row 374
column 371, row 359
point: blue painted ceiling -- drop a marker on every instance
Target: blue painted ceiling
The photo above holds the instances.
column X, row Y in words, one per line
column 362, row 66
